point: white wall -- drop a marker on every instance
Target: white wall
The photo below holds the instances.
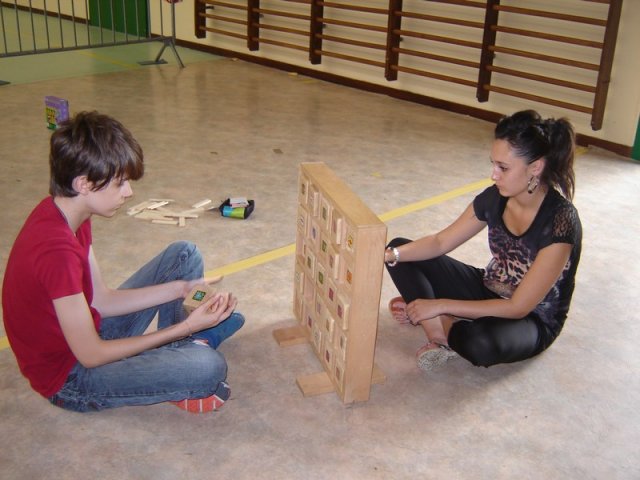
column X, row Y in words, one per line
column 623, row 104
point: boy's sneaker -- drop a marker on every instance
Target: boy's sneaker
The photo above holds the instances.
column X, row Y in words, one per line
column 208, row 404
column 214, row 336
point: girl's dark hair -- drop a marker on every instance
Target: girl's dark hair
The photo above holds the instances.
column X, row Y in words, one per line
column 94, row 145
column 531, row 137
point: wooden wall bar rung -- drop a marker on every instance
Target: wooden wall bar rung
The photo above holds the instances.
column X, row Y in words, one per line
column 276, row 13
column 216, row 3
column 434, row 18
column 361, row 26
column 353, row 8
column 464, row 3
column 266, row 26
column 438, row 38
column 543, row 79
column 553, row 15
column 439, row 58
column 348, row 41
column 225, row 33
column 351, row 58
column 437, row 76
column 546, row 58
column 221, row 18
column 277, row 43
column 537, row 98
column 548, row 36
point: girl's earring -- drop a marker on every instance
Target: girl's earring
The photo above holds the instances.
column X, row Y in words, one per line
column 532, row 184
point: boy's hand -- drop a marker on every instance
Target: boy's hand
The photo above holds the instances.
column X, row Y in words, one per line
column 189, row 284
column 213, row 311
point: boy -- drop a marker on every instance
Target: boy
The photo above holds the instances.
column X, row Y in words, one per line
column 81, row 344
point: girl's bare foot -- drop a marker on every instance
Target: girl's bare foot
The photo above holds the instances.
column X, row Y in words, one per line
column 398, row 310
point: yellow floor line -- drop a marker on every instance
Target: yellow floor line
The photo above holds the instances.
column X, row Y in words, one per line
column 252, row 261
column 414, row 207
column 290, row 249
column 385, row 217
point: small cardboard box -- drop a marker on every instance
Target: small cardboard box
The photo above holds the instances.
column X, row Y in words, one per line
column 56, row 111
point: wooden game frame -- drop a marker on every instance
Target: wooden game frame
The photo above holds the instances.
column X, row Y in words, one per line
column 337, row 283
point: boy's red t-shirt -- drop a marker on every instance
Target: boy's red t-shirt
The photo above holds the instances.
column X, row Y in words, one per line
column 47, row 262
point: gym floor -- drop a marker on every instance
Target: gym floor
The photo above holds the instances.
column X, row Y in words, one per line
column 221, row 128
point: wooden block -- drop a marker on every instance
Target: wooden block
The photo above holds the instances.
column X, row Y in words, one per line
column 170, row 214
column 165, row 222
column 138, row 208
column 196, row 296
column 151, row 215
column 339, row 260
column 315, row 384
column 290, row 336
column 158, row 204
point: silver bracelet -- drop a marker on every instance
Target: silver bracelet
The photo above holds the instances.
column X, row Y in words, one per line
column 396, row 254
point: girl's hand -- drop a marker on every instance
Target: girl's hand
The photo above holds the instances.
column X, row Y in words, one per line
column 213, row 311
column 423, row 309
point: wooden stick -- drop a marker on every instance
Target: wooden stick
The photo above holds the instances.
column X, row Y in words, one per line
column 165, row 222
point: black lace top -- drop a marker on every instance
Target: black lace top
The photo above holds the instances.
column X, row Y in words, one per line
column 557, row 221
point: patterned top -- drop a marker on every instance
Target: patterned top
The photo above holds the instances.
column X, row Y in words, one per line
column 557, row 221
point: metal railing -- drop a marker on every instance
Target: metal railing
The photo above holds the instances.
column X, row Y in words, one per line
column 29, row 27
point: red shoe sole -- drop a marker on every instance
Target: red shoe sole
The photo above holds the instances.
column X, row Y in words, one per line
column 200, row 405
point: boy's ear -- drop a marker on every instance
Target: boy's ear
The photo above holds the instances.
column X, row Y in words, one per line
column 82, row 185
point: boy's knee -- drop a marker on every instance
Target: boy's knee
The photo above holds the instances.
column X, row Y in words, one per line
column 188, row 254
column 214, row 365
column 185, row 249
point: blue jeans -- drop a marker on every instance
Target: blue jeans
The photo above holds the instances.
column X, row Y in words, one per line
column 172, row 372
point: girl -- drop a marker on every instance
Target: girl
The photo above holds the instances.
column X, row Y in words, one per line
column 515, row 307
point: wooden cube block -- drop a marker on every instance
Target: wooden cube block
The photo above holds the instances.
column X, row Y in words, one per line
column 197, row 296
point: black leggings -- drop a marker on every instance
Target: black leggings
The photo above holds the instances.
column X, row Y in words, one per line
column 484, row 341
